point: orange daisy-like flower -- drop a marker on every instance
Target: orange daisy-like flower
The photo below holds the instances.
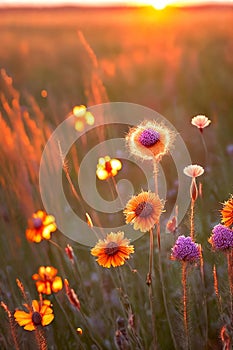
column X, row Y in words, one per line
column 143, row 211
column 39, row 313
column 40, row 226
column 113, row 250
column 200, row 121
column 47, row 281
column 82, row 117
column 193, row 170
column 149, row 140
column 107, row 167
column 227, row 212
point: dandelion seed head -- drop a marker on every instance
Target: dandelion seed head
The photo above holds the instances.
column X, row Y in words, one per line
column 150, row 140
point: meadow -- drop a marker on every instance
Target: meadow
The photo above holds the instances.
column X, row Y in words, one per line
column 177, row 62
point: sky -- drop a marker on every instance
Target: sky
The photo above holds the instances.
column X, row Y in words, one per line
column 110, row 2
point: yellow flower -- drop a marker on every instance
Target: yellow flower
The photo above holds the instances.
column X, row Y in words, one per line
column 83, row 117
column 150, row 140
column 40, row 226
column 227, row 212
column 143, row 211
column 200, row 121
column 47, row 281
column 107, row 168
column 113, row 250
column 39, row 313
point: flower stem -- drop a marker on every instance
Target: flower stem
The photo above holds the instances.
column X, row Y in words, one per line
column 165, row 301
column 150, row 289
column 192, row 220
column 230, row 276
column 156, row 176
column 40, row 338
column 185, row 299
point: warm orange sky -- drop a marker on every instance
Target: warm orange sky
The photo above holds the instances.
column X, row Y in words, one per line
column 110, row 2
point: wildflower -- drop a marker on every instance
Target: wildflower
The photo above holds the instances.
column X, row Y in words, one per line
column 149, row 140
column 82, row 117
column 113, row 250
column 227, row 212
column 107, row 167
column 39, row 313
column 193, row 170
column 201, row 122
column 47, row 281
column 185, row 250
column 79, row 331
column 40, row 226
column 222, row 238
column 143, row 211
column 71, row 295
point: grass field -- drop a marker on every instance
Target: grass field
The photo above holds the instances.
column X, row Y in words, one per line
column 177, row 62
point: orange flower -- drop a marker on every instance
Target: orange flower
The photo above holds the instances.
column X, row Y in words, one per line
column 149, row 140
column 193, row 170
column 40, row 226
column 227, row 212
column 143, row 211
column 39, row 313
column 83, row 117
column 200, row 121
column 47, row 281
column 113, row 250
column 107, row 168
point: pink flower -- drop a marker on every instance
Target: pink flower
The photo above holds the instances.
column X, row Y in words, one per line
column 193, row 170
column 200, row 121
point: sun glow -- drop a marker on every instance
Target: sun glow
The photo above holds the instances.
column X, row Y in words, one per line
column 158, row 4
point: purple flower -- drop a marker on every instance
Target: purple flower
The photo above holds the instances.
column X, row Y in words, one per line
column 185, row 249
column 222, row 237
column 149, row 137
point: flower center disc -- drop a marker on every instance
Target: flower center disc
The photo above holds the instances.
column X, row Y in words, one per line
column 144, row 209
column 37, row 222
column 36, row 318
column 149, row 137
column 111, row 249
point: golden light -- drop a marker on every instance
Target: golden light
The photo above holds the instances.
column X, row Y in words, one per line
column 158, row 4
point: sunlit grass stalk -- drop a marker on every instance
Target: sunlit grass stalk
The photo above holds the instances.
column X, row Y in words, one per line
column 164, row 296
column 117, row 192
column 127, row 306
column 40, row 338
column 150, row 289
column 192, row 226
column 204, row 294
column 216, row 289
column 12, row 325
column 69, row 323
column 230, row 277
column 185, row 300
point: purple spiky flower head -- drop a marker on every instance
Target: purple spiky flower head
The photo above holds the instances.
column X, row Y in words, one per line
column 185, row 250
column 222, row 238
column 149, row 137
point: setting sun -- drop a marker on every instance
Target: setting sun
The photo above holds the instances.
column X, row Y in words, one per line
column 158, row 4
